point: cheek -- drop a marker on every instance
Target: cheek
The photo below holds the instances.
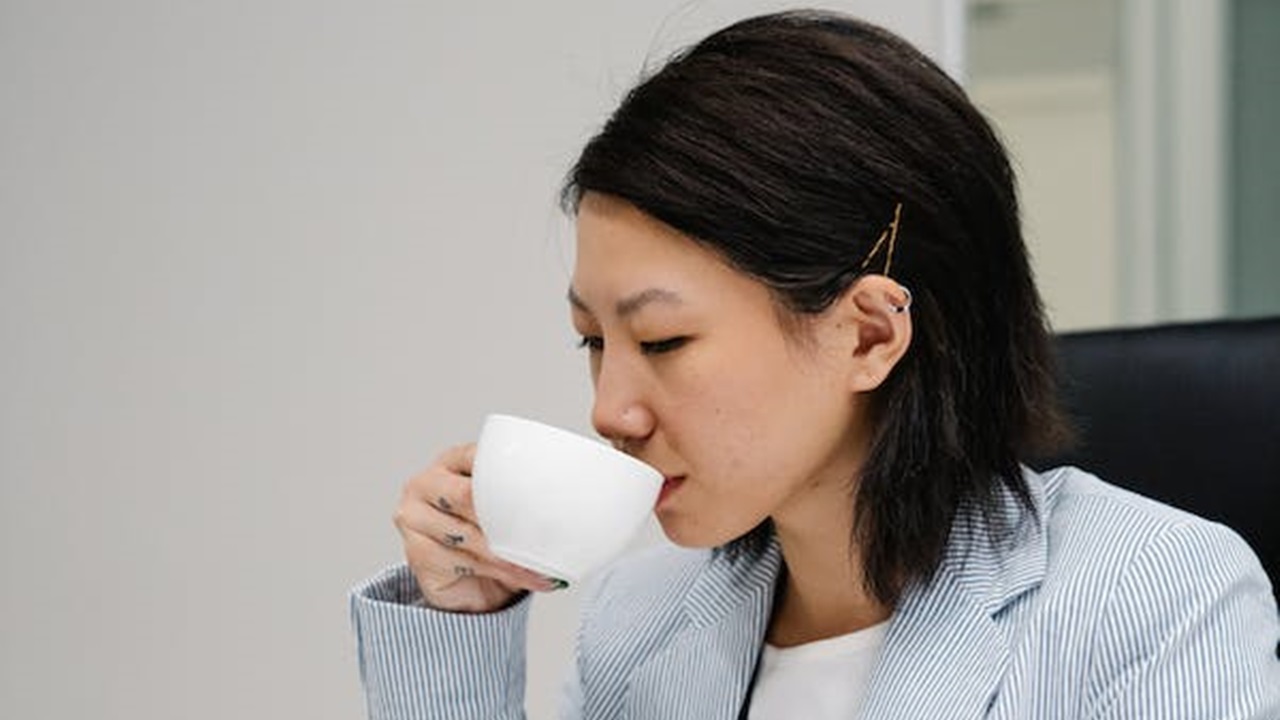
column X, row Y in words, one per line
column 774, row 418
column 725, row 411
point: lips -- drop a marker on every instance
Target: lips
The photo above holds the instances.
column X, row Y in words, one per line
column 669, row 486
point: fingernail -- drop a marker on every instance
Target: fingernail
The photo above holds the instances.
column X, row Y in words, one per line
column 556, row 584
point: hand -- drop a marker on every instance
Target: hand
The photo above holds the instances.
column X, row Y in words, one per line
column 446, row 549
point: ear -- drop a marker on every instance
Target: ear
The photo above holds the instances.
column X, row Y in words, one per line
column 874, row 321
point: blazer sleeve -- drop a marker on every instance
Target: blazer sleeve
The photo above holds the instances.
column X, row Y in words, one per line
column 417, row 663
column 1189, row 631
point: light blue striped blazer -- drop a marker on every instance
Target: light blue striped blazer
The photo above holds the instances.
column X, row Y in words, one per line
column 1108, row 606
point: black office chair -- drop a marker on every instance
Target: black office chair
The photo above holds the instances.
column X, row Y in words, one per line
column 1188, row 414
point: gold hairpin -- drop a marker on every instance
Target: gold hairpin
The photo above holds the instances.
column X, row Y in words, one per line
column 891, row 234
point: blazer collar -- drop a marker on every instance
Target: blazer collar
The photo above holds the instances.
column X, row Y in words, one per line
column 991, row 569
column 735, row 582
column 705, row 671
column 944, row 653
column 994, row 560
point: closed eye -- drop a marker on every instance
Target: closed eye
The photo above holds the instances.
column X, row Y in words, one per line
column 594, row 343
column 658, row 347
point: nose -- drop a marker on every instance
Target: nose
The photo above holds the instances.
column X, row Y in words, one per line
column 620, row 412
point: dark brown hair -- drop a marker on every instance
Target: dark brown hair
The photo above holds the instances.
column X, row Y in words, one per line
column 784, row 143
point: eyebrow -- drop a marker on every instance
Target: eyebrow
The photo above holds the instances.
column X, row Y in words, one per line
column 632, row 304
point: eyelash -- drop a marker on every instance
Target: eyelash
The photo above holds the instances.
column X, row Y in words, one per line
column 595, row 343
column 659, row 347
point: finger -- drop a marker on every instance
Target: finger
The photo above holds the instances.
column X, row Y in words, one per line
column 439, row 567
column 527, row 578
column 424, row 521
column 447, row 483
column 425, row 518
column 455, row 497
column 459, row 459
column 442, row 488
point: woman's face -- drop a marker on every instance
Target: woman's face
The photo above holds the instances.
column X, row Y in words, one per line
column 695, row 374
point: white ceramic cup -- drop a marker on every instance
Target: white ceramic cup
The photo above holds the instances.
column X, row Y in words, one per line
column 554, row 501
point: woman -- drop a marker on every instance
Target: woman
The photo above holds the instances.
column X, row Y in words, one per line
column 802, row 287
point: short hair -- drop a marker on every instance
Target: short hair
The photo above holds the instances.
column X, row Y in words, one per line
column 784, row 143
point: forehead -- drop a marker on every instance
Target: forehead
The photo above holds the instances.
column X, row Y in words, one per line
column 625, row 257
column 616, row 241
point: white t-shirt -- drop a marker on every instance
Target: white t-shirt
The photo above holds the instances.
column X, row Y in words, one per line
column 821, row 680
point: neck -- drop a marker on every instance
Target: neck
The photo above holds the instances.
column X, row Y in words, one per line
column 823, row 593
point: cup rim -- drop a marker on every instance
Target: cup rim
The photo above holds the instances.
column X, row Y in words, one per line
column 594, row 442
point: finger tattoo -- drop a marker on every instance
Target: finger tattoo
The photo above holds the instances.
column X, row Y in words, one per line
column 444, row 504
column 463, row 570
column 453, row 540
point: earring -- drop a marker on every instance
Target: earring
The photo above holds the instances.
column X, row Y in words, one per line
column 906, row 304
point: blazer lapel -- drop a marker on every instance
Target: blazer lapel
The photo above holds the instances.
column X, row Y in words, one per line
column 943, row 658
column 704, row 673
column 946, row 652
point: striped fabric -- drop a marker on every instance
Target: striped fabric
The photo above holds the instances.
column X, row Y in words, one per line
column 420, row 663
column 1107, row 606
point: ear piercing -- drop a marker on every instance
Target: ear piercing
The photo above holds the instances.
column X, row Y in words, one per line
column 906, row 304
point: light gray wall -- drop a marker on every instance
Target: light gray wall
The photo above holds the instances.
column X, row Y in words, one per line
column 258, row 263
column 1045, row 73
column 1016, row 38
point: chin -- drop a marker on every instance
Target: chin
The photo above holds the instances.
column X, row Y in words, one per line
column 680, row 531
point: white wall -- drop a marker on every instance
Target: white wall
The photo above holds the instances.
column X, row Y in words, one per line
column 258, row 263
